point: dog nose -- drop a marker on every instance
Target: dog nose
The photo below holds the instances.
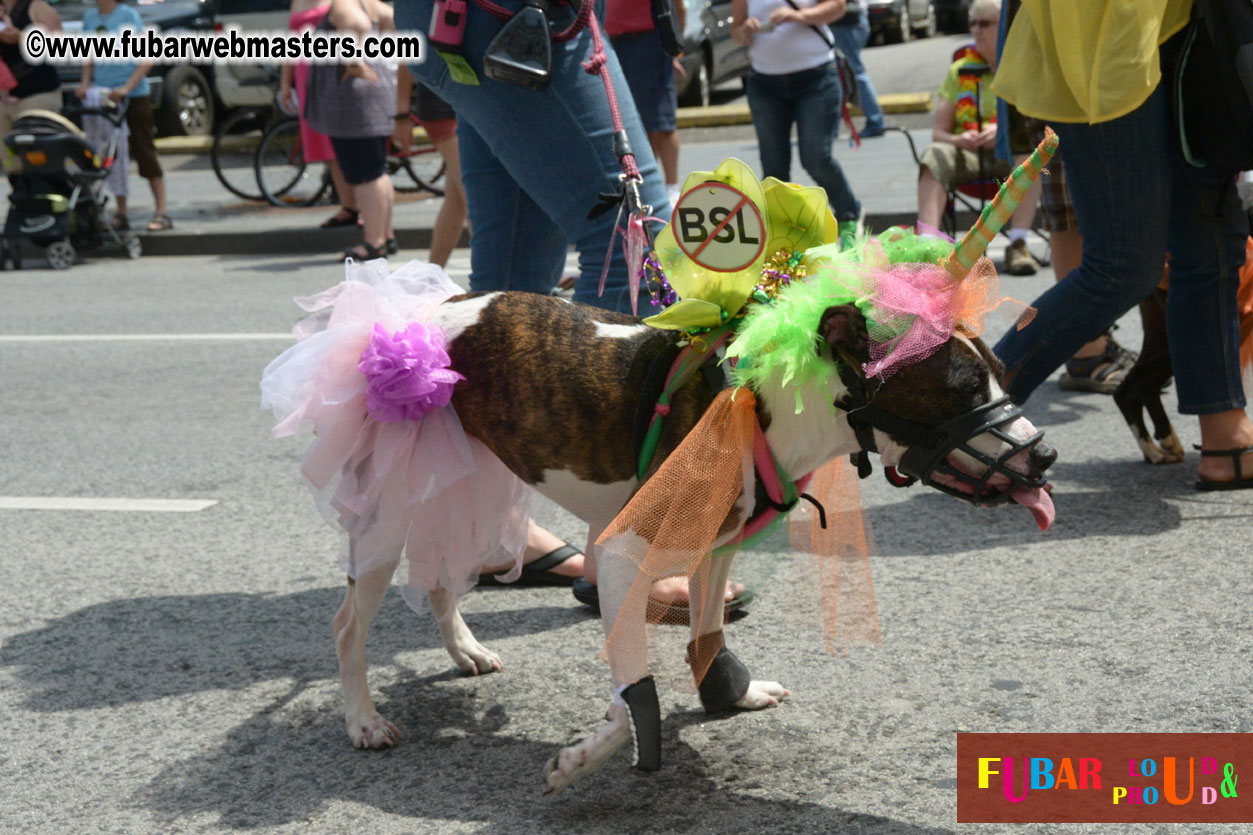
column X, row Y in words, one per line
column 1042, row 456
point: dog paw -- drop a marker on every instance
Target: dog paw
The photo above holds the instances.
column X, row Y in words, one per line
column 371, row 731
column 762, row 694
column 588, row 754
column 1173, row 449
column 474, row 659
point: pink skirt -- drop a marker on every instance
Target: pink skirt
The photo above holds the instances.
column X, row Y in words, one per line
column 421, row 491
column 317, row 146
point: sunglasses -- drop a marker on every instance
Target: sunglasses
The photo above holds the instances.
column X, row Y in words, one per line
column 982, row 24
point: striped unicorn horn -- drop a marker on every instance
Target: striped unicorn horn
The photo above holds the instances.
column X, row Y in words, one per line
column 997, row 213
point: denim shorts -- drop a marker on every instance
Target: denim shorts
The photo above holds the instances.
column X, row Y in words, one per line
column 650, row 74
column 362, row 160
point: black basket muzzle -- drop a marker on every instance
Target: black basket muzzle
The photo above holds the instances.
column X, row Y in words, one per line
column 929, row 447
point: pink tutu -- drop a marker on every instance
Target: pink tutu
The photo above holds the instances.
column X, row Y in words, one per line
column 418, row 489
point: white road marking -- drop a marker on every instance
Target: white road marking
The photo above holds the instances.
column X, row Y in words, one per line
column 146, row 337
column 79, row 503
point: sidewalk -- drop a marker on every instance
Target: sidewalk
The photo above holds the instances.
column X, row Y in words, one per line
column 208, row 220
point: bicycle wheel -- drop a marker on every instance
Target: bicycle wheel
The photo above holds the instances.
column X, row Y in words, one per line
column 421, row 171
column 282, row 174
column 235, row 148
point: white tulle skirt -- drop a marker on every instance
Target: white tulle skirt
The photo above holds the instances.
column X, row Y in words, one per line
column 420, row 491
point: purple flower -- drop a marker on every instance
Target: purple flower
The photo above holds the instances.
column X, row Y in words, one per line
column 408, row 373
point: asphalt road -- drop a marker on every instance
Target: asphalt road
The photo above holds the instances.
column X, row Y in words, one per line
column 174, row 672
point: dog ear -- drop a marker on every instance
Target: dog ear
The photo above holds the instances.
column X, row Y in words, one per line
column 843, row 328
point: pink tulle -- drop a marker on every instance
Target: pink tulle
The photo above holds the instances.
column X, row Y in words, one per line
column 408, row 373
column 418, row 489
column 917, row 307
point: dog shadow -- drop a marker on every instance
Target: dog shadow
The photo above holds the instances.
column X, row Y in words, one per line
column 148, row 648
column 458, row 761
column 931, row 523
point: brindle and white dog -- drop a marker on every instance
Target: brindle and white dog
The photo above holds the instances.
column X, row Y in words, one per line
column 553, row 389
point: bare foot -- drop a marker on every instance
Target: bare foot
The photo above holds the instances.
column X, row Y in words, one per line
column 541, row 541
column 674, row 590
column 1225, row 430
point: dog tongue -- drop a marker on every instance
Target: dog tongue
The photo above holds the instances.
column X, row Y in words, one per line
column 1039, row 502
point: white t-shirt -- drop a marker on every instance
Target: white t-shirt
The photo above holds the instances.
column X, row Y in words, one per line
column 788, row 47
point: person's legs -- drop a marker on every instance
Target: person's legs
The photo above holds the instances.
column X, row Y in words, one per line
column 516, row 245
column 850, row 40
column 556, row 145
column 932, row 198
column 374, row 198
column 1121, row 190
column 941, row 169
column 665, row 145
column 364, row 164
column 1208, row 230
column 818, row 96
column 773, row 114
column 452, row 214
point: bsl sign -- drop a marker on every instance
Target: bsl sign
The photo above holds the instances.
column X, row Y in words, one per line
column 719, row 227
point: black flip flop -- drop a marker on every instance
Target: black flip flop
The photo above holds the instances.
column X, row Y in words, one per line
column 1240, row 482
column 539, row 572
column 670, row 613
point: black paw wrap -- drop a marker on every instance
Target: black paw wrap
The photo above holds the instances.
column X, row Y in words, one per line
column 725, row 682
column 644, row 712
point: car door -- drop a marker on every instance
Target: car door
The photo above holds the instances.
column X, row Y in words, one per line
column 729, row 58
column 240, row 85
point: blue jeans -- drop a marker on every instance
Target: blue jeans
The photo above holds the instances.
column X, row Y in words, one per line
column 811, row 99
column 850, row 40
column 534, row 163
column 1136, row 199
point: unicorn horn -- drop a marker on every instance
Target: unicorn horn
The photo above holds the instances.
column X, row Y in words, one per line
column 997, row 213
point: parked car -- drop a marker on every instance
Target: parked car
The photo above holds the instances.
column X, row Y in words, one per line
column 953, row 15
column 187, row 98
column 710, row 57
column 898, row 20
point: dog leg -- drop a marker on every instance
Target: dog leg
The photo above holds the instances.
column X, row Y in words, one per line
column 467, row 653
column 628, row 663
column 366, row 728
column 726, row 684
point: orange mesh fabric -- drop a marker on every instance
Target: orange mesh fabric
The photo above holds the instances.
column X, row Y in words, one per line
column 699, row 497
column 675, row 519
column 840, row 588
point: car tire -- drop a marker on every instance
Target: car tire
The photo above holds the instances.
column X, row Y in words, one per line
column 929, row 26
column 900, row 32
column 696, row 94
column 186, row 104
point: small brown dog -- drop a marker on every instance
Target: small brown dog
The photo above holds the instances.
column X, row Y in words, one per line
column 1141, row 390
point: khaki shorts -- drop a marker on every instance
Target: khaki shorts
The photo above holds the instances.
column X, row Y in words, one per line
column 954, row 167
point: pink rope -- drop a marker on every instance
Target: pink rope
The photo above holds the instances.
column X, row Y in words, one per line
column 597, row 64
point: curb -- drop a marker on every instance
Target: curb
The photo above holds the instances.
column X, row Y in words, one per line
column 720, row 115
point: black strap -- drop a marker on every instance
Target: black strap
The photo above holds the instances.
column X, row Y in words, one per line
column 830, row 42
column 727, row 679
column 644, row 712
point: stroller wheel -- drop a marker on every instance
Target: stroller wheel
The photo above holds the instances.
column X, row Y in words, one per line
column 134, row 247
column 60, row 255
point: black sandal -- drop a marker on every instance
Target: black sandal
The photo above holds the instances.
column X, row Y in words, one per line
column 371, row 252
column 336, row 220
column 657, row 612
column 1102, row 373
column 1240, row 482
column 538, row 572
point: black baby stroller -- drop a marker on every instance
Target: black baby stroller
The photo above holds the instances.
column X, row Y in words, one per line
column 60, row 207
